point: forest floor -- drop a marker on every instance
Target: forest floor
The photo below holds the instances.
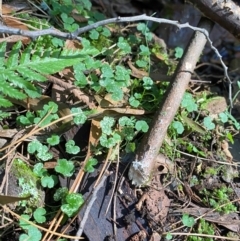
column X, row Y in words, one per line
column 74, row 112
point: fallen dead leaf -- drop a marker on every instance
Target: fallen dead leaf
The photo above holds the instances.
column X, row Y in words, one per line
column 78, row 17
column 13, row 7
column 67, row 74
column 12, row 22
column 50, row 164
column 155, row 237
column 136, row 72
column 5, row 199
column 215, row 105
column 140, row 236
column 72, row 45
column 230, row 221
column 225, row 148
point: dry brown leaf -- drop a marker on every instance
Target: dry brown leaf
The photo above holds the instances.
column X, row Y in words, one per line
column 14, row 39
column 95, row 133
column 215, row 105
column 108, row 102
column 225, row 148
column 140, row 236
column 160, row 56
column 67, row 73
column 79, row 18
column 50, row 164
column 155, row 237
column 13, row 7
column 136, row 72
column 72, row 44
column 14, row 23
column 115, row 112
column 7, row 9
column 4, row 199
column 230, row 221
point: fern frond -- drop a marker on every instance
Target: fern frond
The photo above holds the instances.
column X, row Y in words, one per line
column 13, row 56
column 25, row 56
column 30, row 74
column 3, row 47
column 20, row 70
column 8, row 90
column 4, row 102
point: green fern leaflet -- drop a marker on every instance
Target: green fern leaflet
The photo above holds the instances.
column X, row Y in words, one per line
column 22, row 69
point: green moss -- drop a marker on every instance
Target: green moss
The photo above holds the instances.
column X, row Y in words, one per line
column 27, row 182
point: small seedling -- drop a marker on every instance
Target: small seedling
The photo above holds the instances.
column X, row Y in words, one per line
column 189, row 103
column 65, row 167
column 72, row 203
column 71, row 148
column 89, row 167
column 203, row 227
column 169, row 236
column 178, row 52
column 208, row 123
column 188, row 221
column 178, row 126
column 53, row 140
column 133, row 100
column 141, row 126
column 219, row 199
column 39, row 215
column 41, row 151
column 33, row 234
column 47, row 180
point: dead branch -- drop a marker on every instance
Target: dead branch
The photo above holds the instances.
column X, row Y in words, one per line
column 225, row 13
column 143, row 17
column 141, row 169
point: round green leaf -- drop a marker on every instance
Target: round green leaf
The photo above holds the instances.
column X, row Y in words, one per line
column 74, row 202
column 39, row 215
column 53, row 140
column 178, row 126
column 71, row 148
column 65, row 167
column 188, row 221
column 207, row 121
column 141, row 126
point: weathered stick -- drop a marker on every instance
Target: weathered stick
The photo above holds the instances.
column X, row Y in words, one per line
column 224, row 12
column 143, row 165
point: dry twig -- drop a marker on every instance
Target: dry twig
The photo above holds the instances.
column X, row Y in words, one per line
column 142, row 167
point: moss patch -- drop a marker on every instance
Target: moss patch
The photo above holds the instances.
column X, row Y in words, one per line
column 26, row 184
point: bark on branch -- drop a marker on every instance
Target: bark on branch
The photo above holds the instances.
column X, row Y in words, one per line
column 224, row 12
column 141, row 169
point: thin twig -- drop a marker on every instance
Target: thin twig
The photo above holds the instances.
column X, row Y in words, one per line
column 115, row 182
column 74, row 35
column 143, row 17
column 141, row 168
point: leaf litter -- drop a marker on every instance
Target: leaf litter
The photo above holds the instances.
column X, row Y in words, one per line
column 174, row 183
